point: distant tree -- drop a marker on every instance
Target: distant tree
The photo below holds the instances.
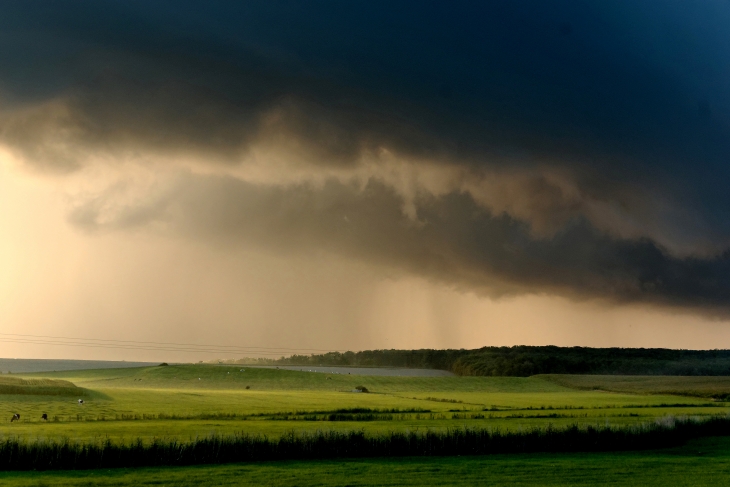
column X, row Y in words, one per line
column 525, row 361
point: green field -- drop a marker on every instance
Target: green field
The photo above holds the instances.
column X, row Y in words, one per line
column 192, row 401
column 697, row 386
column 187, row 401
column 703, row 462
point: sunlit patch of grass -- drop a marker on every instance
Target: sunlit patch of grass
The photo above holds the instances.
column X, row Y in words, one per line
column 38, row 387
column 710, row 387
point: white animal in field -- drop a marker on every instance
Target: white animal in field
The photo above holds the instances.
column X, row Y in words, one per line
column 81, row 401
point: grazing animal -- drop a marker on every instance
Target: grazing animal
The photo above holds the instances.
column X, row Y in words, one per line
column 81, row 401
column 248, row 387
column 16, row 417
column 44, row 417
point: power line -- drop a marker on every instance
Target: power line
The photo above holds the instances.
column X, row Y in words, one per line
column 162, row 343
column 148, row 345
column 123, row 347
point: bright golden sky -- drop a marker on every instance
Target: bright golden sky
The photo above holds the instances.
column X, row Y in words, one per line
column 57, row 280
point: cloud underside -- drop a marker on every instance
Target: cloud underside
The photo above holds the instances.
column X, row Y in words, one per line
column 542, row 158
column 454, row 240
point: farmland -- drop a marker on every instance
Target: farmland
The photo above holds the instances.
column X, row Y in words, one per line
column 188, row 402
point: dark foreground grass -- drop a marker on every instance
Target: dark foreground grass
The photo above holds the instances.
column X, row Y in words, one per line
column 16, row 454
column 703, row 462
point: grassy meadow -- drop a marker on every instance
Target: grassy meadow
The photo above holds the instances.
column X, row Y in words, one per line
column 697, row 386
column 188, row 401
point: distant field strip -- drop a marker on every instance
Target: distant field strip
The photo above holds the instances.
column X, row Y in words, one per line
column 370, row 371
column 238, row 377
column 716, row 387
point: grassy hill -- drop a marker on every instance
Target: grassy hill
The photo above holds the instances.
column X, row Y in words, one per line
column 265, row 379
column 38, row 387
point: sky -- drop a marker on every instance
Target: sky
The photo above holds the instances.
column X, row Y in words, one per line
column 311, row 176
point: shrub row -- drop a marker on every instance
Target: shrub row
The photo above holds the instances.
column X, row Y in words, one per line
column 16, row 454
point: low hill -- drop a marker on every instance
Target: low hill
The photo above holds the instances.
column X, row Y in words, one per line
column 223, row 377
column 523, row 361
column 39, row 387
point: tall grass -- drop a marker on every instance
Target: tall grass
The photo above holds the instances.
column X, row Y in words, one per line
column 16, row 454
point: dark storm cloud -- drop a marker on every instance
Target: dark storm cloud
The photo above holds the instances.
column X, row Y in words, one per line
column 127, row 78
column 637, row 84
column 627, row 101
column 455, row 241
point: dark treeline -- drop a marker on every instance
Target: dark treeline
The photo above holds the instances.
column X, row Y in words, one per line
column 523, row 361
column 48, row 454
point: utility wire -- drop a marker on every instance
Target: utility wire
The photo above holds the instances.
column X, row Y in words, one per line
column 161, row 343
column 144, row 345
column 92, row 345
